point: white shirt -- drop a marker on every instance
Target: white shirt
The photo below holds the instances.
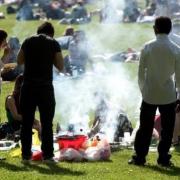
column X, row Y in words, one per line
column 159, row 62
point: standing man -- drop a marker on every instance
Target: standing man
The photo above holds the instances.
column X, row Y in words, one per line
column 159, row 61
column 38, row 54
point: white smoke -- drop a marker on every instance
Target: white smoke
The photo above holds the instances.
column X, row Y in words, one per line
column 112, row 11
column 75, row 98
column 76, row 101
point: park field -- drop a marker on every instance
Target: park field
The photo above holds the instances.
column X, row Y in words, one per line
column 117, row 168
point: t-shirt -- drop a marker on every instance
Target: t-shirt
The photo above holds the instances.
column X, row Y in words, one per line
column 39, row 52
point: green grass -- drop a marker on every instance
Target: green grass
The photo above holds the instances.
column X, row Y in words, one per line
column 115, row 169
column 127, row 35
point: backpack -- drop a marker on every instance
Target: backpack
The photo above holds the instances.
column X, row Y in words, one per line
column 5, row 129
column 124, row 125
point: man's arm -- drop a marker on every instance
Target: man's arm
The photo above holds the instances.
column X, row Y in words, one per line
column 141, row 70
column 1, row 64
column 6, row 53
column 177, row 73
column 58, row 61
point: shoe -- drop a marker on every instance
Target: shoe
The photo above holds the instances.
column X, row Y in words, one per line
column 137, row 161
column 50, row 160
column 165, row 161
column 2, row 158
column 166, row 164
column 26, row 161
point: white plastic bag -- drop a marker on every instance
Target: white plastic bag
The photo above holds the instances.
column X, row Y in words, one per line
column 100, row 152
column 70, row 154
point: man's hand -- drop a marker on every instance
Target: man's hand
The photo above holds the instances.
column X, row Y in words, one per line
column 6, row 53
column 7, row 50
column 177, row 106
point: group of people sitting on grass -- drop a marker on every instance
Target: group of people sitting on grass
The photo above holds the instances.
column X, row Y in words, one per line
column 66, row 12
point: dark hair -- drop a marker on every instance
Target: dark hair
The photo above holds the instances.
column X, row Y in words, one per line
column 3, row 35
column 163, row 25
column 69, row 31
column 46, row 28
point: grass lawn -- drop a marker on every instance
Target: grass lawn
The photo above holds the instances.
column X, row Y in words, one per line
column 115, row 169
column 127, row 35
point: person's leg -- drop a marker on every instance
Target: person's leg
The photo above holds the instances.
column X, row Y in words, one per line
column 28, row 107
column 46, row 106
column 144, row 133
column 167, row 124
column 1, row 158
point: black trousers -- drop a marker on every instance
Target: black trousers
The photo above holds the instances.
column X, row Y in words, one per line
column 43, row 98
column 144, row 133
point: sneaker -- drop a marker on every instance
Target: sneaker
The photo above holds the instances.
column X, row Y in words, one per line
column 50, row 160
column 165, row 162
column 26, row 161
column 2, row 158
column 137, row 161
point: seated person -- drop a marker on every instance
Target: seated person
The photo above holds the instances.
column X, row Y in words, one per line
column 131, row 11
column 14, row 46
column 147, row 15
column 122, row 122
column 78, row 15
column 156, row 134
column 25, row 11
column 176, row 133
column 79, row 11
column 78, row 51
column 110, row 13
column 11, row 70
column 69, row 31
column 66, row 38
column 13, row 109
column 150, row 11
column 54, row 11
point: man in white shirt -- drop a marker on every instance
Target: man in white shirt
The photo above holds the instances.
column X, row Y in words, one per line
column 159, row 62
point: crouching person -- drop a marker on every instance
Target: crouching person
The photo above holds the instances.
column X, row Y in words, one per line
column 13, row 111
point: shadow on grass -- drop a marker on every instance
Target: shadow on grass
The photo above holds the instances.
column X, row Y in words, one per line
column 172, row 171
column 49, row 169
column 90, row 162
